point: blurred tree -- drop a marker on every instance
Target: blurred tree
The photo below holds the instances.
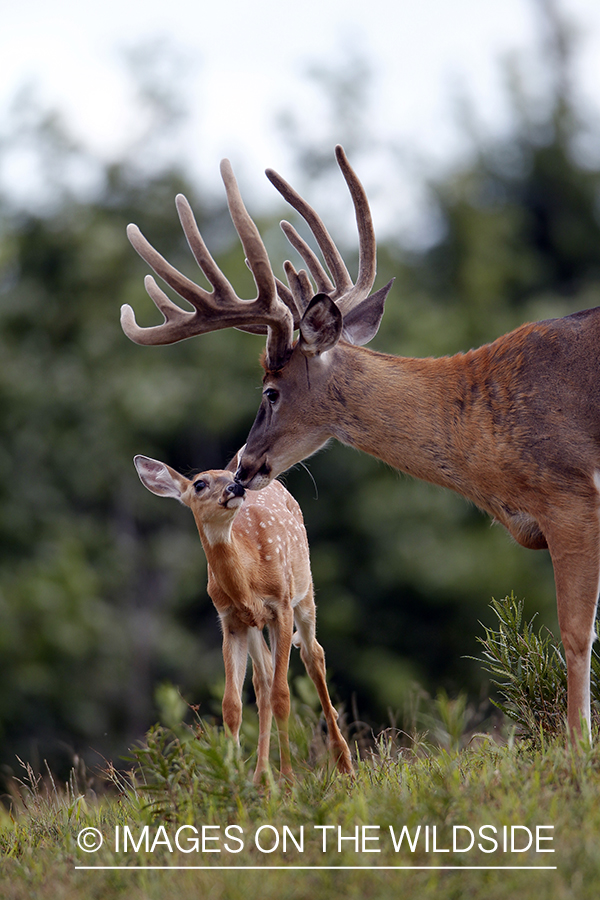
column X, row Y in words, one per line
column 102, row 591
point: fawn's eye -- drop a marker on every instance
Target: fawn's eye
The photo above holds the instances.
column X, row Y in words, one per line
column 199, row 485
column 271, row 394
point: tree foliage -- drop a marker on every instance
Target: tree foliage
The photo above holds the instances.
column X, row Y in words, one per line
column 102, row 586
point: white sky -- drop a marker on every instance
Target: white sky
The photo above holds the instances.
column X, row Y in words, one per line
column 248, row 61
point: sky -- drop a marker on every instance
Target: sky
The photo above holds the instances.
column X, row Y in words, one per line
column 238, row 65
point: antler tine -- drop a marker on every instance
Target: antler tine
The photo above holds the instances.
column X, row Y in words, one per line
column 292, row 300
column 204, row 258
column 331, row 254
column 200, row 250
column 315, row 268
column 346, row 294
column 279, row 315
column 249, row 235
column 186, row 288
column 300, row 287
column 173, row 329
column 178, row 323
column 367, row 256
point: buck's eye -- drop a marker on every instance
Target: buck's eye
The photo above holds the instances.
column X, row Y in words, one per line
column 199, row 485
column 271, row 394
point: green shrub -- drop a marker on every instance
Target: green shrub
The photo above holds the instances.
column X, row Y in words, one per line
column 529, row 671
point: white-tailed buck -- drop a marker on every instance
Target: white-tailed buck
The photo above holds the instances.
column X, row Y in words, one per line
column 514, row 425
column 258, row 576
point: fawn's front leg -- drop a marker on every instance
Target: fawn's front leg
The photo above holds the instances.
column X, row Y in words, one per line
column 280, row 632
column 262, row 679
column 235, row 657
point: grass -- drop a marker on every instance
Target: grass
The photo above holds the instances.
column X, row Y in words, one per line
column 186, row 784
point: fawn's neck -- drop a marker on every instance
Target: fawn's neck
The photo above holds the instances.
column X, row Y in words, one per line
column 227, row 556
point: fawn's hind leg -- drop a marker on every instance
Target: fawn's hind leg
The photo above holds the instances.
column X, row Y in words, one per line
column 280, row 633
column 313, row 657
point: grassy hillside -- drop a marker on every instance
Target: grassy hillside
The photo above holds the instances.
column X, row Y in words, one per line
column 417, row 820
column 452, row 806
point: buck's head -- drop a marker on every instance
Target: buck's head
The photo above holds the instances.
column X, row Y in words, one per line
column 296, row 416
column 329, row 311
column 214, row 497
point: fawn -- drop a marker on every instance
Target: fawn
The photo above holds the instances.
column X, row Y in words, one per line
column 258, row 576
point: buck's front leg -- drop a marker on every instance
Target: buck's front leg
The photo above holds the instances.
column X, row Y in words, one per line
column 575, row 551
column 235, row 657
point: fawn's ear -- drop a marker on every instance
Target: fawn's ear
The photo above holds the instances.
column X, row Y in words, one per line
column 160, row 478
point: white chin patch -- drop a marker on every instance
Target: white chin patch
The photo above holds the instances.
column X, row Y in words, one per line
column 234, row 502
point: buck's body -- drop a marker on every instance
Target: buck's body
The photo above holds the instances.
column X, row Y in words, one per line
column 504, row 425
column 513, row 426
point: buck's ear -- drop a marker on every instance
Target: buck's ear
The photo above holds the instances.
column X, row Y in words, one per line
column 321, row 326
column 160, row 478
column 362, row 323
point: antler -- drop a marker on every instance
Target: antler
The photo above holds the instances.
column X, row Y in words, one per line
column 221, row 308
column 342, row 290
column 277, row 308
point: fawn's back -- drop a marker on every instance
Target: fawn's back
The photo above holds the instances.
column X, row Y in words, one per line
column 269, row 539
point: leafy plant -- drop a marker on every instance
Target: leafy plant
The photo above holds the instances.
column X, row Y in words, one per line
column 195, row 769
column 529, row 670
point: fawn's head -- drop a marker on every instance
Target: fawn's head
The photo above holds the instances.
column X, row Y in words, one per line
column 213, row 496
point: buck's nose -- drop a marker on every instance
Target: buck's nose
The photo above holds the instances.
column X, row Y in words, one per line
column 242, row 473
column 254, row 477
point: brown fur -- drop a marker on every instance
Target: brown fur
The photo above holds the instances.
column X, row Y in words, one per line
column 514, row 426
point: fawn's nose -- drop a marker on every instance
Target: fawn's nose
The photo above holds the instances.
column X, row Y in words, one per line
column 235, row 489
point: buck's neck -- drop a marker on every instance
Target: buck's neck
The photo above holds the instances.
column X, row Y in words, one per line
column 426, row 417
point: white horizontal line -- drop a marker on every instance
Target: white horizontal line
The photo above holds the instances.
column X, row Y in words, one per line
column 317, row 868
